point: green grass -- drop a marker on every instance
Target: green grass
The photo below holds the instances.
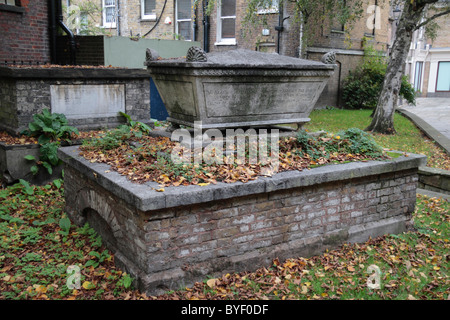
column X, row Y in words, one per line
column 408, row 137
column 38, row 244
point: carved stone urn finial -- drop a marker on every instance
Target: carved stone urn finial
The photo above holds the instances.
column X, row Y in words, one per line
column 329, row 58
column 150, row 55
column 196, row 54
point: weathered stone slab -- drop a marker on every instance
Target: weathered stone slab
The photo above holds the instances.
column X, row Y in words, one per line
column 260, row 98
column 88, row 101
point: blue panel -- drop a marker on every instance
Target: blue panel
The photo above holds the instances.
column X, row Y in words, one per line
column 157, row 108
column 443, row 80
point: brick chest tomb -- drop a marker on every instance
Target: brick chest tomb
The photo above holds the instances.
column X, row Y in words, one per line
column 167, row 240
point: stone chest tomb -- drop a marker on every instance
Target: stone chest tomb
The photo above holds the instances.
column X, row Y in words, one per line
column 238, row 88
column 90, row 97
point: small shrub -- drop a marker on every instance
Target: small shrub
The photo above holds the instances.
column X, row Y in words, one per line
column 362, row 87
column 139, row 126
column 50, row 127
column 309, row 144
column 114, row 138
column 110, row 140
column 357, row 141
column 353, row 141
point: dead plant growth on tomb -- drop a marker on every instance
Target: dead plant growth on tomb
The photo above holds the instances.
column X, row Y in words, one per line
column 9, row 139
column 143, row 158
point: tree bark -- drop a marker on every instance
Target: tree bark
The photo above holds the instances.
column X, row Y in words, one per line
column 383, row 117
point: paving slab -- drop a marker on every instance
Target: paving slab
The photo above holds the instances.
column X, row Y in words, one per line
column 431, row 115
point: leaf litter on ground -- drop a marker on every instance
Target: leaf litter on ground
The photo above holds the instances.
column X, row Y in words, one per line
column 37, row 246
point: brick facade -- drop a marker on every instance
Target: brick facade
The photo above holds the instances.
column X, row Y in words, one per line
column 174, row 238
column 24, row 36
column 252, row 37
column 130, row 22
column 134, row 25
column 350, row 49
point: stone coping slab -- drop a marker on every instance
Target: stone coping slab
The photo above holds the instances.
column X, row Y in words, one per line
column 39, row 72
column 145, row 197
column 243, row 58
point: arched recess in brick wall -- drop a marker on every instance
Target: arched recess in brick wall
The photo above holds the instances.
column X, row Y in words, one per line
column 96, row 222
column 94, row 209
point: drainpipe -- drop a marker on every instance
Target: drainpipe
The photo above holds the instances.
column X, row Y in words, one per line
column 280, row 27
column 205, row 27
column 118, row 17
column 194, row 26
column 52, row 31
column 157, row 20
column 56, row 14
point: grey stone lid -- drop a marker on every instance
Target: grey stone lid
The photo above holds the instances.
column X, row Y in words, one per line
column 240, row 58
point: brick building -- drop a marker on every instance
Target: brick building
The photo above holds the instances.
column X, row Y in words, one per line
column 28, row 36
column 428, row 63
column 221, row 29
column 375, row 28
column 161, row 19
column 24, row 31
column 224, row 29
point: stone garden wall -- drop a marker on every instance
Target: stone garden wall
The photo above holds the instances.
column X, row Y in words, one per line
column 434, row 179
column 171, row 239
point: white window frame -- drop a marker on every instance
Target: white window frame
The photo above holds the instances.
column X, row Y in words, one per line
column 219, row 40
column 9, row 2
column 151, row 17
column 418, row 75
column 108, row 24
column 181, row 20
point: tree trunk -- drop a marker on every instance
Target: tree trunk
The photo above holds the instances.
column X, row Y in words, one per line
column 383, row 117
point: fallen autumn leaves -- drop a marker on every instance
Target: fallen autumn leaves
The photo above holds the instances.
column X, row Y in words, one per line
column 146, row 158
column 37, row 248
column 413, row 265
